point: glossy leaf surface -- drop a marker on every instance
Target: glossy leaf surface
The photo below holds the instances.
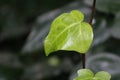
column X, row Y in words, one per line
column 69, row 32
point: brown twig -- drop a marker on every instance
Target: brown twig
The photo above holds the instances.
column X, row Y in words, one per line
column 92, row 13
column 90, row 22
column 83, row 61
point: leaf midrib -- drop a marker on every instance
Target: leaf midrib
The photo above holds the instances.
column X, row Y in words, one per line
column 72, row 25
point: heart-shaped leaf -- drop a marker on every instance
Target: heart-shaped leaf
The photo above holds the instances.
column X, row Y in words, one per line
column 86, row 74
column 102, row 75
column 69, row 32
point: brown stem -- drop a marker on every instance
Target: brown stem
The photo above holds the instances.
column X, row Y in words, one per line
column 90, row 22
column 92, row 13
column 83, row 61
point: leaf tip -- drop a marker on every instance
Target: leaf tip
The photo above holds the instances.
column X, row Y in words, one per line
column 78, row 14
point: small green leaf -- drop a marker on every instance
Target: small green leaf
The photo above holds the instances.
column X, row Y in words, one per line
column 102, row 75
column 68, row 32
column 85, row 74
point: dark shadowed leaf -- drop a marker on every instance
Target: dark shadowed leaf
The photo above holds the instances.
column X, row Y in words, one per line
column 101, row 32
column 10, row 73
column 46, row 69
column 35, row 40
column 115, row 30
column 10, row 24
column 10, row 66
column 105, row 62
column 39, row 32
column 10, row 60
column 108, row 6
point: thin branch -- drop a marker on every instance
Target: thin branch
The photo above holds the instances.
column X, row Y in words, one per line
column 83, row 61
column 92, row 13
column 90, row 22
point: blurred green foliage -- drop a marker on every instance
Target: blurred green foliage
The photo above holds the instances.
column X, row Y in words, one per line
column 24, row 25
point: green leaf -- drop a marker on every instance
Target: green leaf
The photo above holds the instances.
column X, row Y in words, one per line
column 84, row 74
column 68, row 32
column 41, row 27
column 11, row 26
column 102, row 75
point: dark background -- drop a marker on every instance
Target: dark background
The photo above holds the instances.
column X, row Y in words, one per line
column 24, row 24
